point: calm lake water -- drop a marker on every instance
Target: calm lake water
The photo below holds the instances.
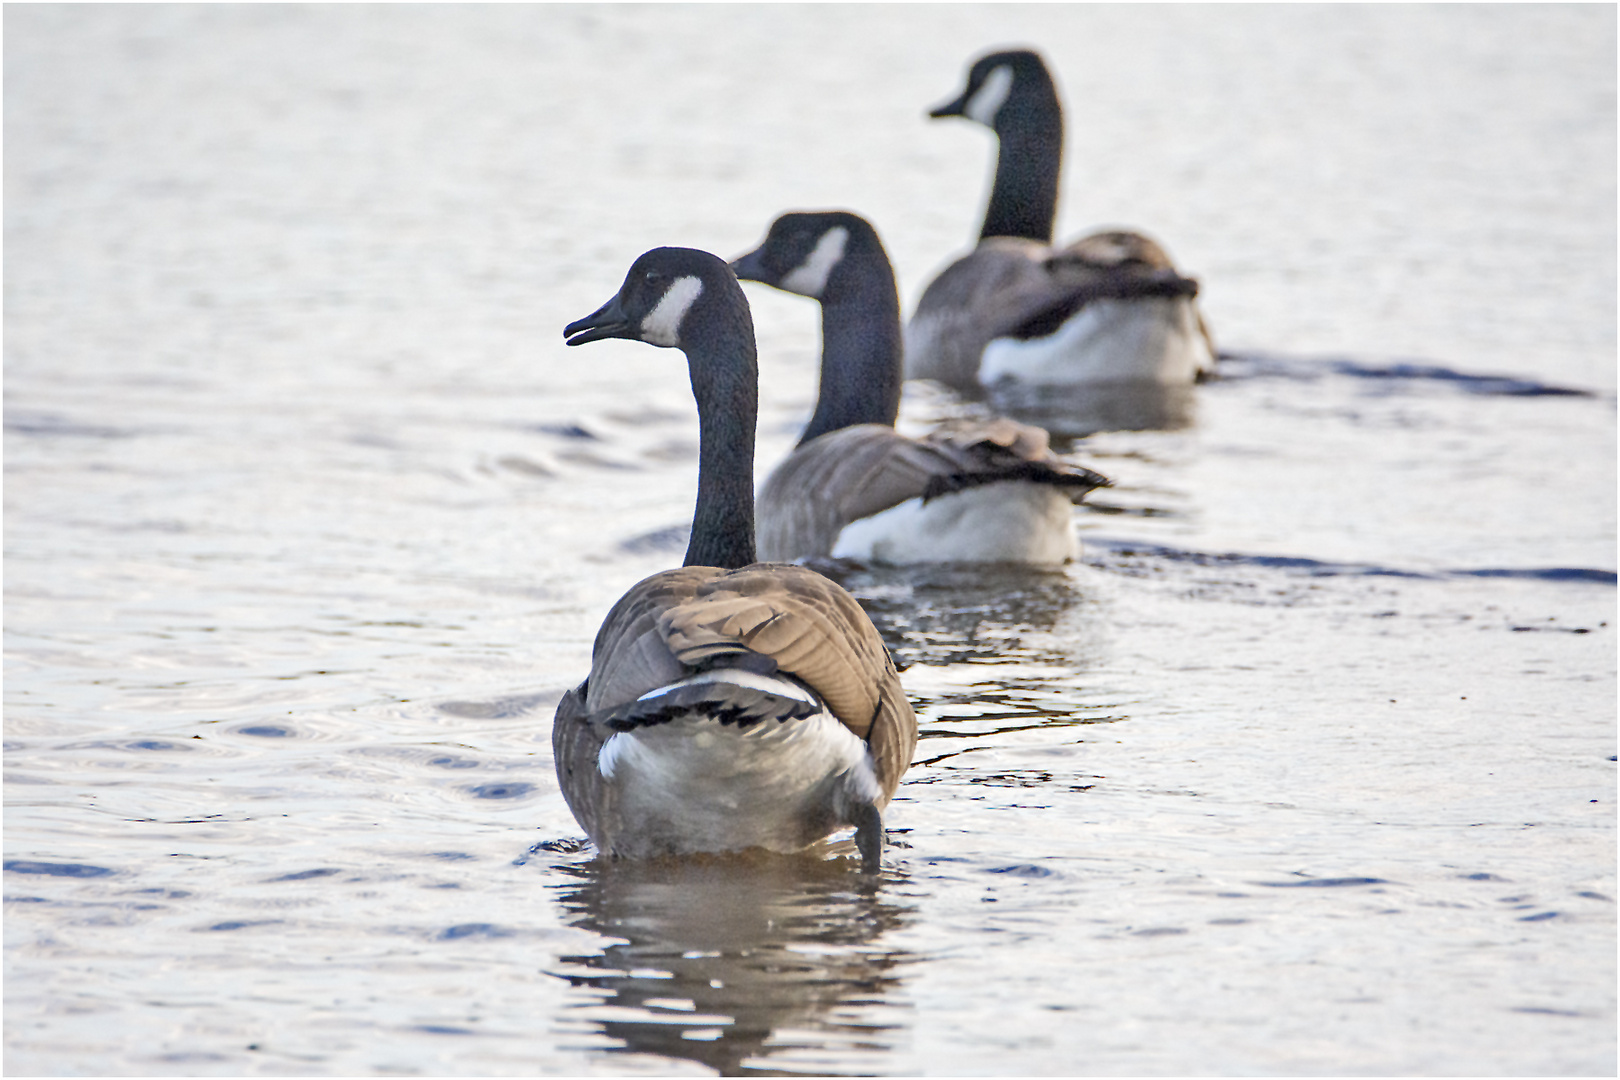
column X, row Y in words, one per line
column 1308, row 767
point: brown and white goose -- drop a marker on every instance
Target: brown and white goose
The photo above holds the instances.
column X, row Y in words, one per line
column 969, row 491
column 731, row 704
column 1108, row 308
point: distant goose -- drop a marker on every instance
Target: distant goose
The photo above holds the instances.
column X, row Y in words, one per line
column 985, row 491
column 731, row 704
column 1110, row 307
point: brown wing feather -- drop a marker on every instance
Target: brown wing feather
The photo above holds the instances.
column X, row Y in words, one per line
column 837, row 478
column 998, row 284
column 1112, row 250
column 807, row 624
column 630, row 656
column 987, row 293
column 575, row 744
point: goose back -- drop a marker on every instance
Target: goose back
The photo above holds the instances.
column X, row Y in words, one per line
column 767, row 619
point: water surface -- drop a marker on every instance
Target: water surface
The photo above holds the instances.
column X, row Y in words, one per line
column 1307, row 767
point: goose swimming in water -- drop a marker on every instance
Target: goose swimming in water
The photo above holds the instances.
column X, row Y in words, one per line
column 969, row 491
column 1110, row 307
column 731, row 704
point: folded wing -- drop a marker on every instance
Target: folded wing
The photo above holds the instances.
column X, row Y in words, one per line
column 856, row 472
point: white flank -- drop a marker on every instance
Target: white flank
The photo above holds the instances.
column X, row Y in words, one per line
column 809, row 278
column 1008, row 521
column 1151, row 340
column 662, row 326
column 991, row 96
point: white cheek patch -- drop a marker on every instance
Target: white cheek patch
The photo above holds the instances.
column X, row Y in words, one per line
column 662, row 326
column 809, row 278
column 992, row 95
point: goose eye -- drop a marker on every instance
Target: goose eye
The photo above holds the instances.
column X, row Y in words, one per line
column 651, row 277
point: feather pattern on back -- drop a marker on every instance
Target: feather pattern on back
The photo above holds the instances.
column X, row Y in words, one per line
column 695, row 617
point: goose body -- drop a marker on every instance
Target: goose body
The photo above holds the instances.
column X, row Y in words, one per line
column 731, row 704
column 1107, row 308
column 968, row 491
column 1009, row 521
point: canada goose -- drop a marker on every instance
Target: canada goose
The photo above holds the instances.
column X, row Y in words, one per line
column 1110, row 307
column 731, row 704
column 969, row 491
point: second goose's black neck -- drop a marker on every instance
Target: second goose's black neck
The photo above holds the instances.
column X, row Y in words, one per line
column 861, row 347
column 1023, row 199
column 725, row 381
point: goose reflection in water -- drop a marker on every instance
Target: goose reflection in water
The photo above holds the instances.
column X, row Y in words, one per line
column 1027, row 634
column 1073, row 412
column 741, row 963
column 951, row 613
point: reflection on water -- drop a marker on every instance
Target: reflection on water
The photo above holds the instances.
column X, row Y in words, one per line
column 751, row 963
column 1394, row 377
column 1073, row 412
column 995, row 654
column 951, row 613
column 1007, row 706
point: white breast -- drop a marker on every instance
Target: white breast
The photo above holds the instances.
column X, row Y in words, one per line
column 1009, row 521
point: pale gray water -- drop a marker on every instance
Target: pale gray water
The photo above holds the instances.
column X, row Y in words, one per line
column 1307, row 768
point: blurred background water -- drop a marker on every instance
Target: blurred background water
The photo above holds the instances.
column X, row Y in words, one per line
column 1306, row 767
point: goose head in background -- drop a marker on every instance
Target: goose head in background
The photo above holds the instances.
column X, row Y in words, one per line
column 1012, row 93
column 1022, row 321
column 968, row 491
column 682, row 298
column 731, row 704
column 836, row 258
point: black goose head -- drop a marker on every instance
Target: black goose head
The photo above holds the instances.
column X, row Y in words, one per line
column 1003, row 88
column 667, row 296
column 685, row 299
column 836, row 258
column 803, row 251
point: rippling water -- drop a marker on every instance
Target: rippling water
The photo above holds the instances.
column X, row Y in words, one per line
column 1307, row 767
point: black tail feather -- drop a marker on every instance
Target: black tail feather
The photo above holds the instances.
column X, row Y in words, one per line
column 1158, row 283
column 1076, row 478
column 726, row 702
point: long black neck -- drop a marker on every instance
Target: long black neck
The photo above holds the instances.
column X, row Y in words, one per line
column 1023, row 200
column 725, row 381
column 861, row 346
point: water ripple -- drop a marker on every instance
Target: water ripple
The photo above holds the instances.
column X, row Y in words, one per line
column 1120, row 550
